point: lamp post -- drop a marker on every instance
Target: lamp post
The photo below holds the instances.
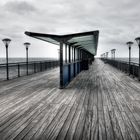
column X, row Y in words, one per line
column 104, row 55
column 129, row 46
column 107, row 55
column 6, row 41
column 27, row 44
column 112, row 53
column 138, row 42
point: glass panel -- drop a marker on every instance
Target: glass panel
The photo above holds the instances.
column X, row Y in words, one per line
column 83, row 38
column 87, row 42
column 48, row 40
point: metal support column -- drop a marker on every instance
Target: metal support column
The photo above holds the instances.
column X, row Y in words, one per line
column 139, row 65
column 69, row 64
column 69, row 54
column 72, row 54
column 74, row 64
column 65, row 53
column 61, row 65
column 78, row 54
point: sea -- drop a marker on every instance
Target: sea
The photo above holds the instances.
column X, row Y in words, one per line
column 16, row 60
column 134, row 60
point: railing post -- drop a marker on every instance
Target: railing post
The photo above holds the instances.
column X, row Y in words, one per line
column 43, row 66
column 133, row 70
column 46, row 66
column 34, row 67
column 40, row 66
column 18, row 70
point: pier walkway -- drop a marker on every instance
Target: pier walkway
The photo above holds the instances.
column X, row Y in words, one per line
column 101, row 103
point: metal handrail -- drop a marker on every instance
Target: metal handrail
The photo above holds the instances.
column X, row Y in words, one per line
column 133, row 69
column 21, row 69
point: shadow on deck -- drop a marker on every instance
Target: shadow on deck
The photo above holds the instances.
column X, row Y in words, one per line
column 101, row 103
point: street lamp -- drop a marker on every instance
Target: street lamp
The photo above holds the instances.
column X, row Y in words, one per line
column 112, row 51
column 6, row 41
column 104, row 55
column 107, row 55
column 27, row 44
column 138, row 42
column 129, row 46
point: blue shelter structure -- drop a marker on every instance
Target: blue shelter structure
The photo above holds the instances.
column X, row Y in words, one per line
column 80, row 49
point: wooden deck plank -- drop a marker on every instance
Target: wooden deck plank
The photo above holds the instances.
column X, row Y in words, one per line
column 101, row 103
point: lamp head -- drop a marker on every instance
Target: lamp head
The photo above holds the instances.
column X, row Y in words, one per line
column 129, row 43
column 138, row 40
column 27, row 44
column 6, row 41
column 113, row 50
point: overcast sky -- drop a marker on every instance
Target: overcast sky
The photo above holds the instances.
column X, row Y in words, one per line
column 117, row 20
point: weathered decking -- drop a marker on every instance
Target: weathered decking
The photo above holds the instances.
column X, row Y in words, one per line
column 101, row 103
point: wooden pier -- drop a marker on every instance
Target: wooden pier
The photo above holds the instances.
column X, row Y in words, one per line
column 101, row 103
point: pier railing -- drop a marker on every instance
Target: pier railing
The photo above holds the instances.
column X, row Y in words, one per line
column 124, row 66
column 21, row 69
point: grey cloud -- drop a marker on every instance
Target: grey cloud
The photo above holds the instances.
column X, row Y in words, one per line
column 118, row 21
column 19, row 7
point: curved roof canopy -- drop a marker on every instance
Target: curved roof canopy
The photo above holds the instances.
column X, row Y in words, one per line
column 86, row 40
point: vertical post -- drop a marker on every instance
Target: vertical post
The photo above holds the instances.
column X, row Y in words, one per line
column 61, row 65
column 76, row 51
column 78, row 54
column 34, row 67
column 129, row 60
column 81, row 64
column 27, row 59
column 74, row 54
column 65, row 53
column 69, row 64
column 138, row 41
column 18, row 70
column 40, row 66
column 106, row 55
column 129, row 47
column 74, row 64
column 111, row 54
column 69, row 54
column 139, row 62
column 7, row 67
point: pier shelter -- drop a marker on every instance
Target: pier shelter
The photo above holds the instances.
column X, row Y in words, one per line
column 80, row 49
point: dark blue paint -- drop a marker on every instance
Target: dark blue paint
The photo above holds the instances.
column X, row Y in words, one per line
column 65, row 75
